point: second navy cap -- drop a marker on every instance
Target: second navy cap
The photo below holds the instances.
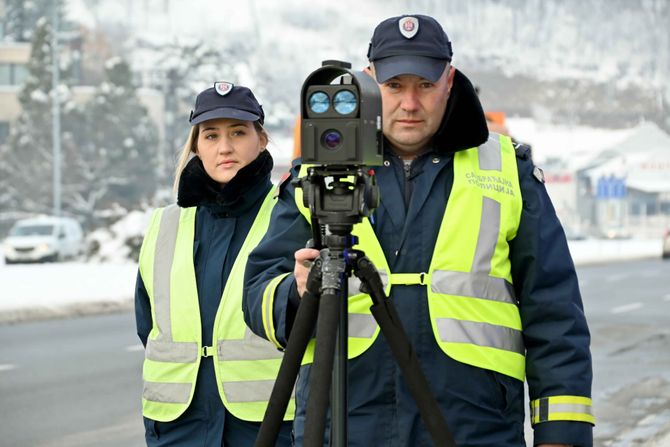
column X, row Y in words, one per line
column 409, row 44
column 226, row 100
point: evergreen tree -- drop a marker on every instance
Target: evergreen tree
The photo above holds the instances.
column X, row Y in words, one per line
column 21, row 17
column 189, row 68
column 115, row 162
column 26, row 171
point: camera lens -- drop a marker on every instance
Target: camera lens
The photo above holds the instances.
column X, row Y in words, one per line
column 318, row 102
column 344, row 102
column 331, row 139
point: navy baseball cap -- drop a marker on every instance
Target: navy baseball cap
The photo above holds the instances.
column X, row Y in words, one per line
column 409, row 44
column 226, row 100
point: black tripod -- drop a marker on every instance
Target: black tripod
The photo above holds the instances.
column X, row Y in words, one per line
column 337, row 206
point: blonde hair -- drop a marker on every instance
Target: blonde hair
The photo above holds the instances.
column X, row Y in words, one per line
column 191, row 147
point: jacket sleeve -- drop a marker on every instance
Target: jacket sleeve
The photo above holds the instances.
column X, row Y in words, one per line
column 142, row 310
column 558, row 358
column 270, row 297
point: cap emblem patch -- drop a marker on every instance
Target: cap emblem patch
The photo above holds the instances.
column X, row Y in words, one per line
column 409, row 26
column 223, row 88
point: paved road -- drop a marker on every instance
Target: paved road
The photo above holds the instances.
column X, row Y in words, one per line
column 59, row 387
column 628, row 308
column 71, row 383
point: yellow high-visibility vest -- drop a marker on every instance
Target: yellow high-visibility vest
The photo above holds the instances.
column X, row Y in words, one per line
column 245, row 365
column 473, row 310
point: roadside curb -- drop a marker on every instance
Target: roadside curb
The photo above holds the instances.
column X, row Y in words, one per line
column 39, row 313
column 93, row 289
column 595, row 262
column 597, row 251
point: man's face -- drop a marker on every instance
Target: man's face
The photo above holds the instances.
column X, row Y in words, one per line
column 412, row 109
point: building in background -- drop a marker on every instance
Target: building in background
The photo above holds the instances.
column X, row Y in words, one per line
column 87, row 48
column 13, row 59
column 625, row 190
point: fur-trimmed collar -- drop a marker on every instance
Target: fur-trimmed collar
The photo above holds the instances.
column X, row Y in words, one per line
column 463, row 125
column 196, row 188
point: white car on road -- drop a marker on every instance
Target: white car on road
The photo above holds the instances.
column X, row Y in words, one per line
column 42, row 239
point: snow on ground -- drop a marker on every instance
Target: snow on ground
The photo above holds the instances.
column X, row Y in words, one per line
column 35, row 291
column 565, row 142
column 591, row 251
column 52, row 290
column 120, row 242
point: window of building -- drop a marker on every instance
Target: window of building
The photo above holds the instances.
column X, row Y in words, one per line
column 19, row 74
column 4, row 132
column 5, row 74
column 12, row 74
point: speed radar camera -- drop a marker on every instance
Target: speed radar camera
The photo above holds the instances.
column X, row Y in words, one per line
column 341, row 117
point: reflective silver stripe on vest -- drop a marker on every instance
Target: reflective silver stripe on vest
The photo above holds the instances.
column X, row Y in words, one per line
column 488, row 239
column 490, row 155
column 384, row 276
column 165, row 246
column 481, row 334
column 169, row 351
column 171, row 393
column 362, row 325
column 163, row 348
column 252, row 347
column 249, row 390
column 354, row 284
column 477, row 285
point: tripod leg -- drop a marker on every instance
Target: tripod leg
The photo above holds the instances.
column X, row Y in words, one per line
column 389, row 322
column 322, row 368
column 301, row 332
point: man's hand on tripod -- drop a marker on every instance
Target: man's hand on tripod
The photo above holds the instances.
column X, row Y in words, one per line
column 303, row 262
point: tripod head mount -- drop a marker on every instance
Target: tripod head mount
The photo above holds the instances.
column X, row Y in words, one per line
column 338, row 197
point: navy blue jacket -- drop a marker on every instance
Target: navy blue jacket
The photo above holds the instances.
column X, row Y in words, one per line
column 223, row 219
column 482, row 407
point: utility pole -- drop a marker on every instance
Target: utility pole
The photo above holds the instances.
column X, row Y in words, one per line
column 55, row 107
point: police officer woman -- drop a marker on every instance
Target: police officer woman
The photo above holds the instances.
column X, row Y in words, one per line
column 207, row 378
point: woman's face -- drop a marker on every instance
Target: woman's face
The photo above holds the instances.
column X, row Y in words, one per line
column 227, row 145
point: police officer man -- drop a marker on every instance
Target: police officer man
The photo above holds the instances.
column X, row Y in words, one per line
column 477, row 265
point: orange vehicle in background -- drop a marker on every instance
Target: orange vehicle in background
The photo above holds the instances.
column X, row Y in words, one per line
column 296, row 139
column 496, row 122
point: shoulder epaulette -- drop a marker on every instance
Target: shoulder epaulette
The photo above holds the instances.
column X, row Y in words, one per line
column 283, row 181
column 523, row 151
